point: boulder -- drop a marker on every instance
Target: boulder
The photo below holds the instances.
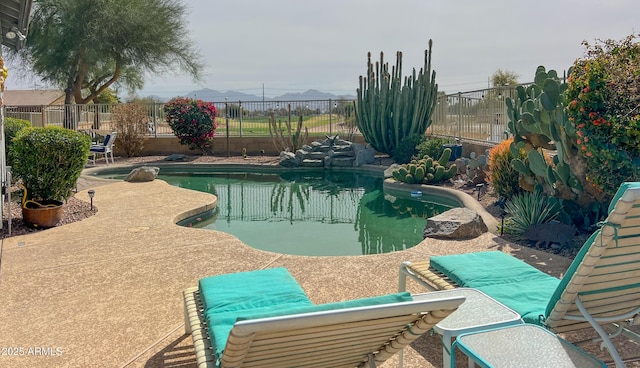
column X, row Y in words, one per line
column 364, row 156
column 143, row 174
column 342, row 161
column 289, row 159
column 456, row 223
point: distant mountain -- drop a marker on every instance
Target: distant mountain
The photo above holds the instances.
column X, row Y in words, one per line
column 311, row 94
column 207, row 94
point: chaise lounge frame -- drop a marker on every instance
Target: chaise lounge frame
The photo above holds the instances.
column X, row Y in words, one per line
column 603, row 289
column 350, row 337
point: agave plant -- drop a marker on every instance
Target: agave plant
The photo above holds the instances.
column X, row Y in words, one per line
column 530, row 208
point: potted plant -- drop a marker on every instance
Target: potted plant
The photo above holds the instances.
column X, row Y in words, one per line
column 49, row 161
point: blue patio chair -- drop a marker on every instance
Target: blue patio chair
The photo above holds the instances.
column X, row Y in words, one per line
column 105, row 148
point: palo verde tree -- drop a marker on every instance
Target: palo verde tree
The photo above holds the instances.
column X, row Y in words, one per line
column 504, row 78
column 85, row 46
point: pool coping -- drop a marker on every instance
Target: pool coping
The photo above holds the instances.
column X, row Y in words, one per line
column 463, row 198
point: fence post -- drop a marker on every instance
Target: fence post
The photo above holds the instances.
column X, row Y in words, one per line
column 459, row 117
column 330, row 118
column 154, row 120
column 240, row 115
column 226, row 113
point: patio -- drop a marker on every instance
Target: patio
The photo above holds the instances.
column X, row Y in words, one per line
column 107, row 291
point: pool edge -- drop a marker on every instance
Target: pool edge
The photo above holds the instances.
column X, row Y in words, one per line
column 465, row 199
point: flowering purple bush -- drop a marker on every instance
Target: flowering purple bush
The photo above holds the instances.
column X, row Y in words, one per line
column 192, row 121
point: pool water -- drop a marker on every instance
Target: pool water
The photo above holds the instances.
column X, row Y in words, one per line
column 312, row 213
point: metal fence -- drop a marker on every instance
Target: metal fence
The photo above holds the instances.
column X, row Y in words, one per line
column 240, row 118
column 476, row 115
column 479, row 115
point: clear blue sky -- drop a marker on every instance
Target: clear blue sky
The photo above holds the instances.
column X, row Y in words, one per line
column 293, row 45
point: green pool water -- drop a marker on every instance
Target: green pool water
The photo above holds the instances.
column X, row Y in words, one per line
column 312, row 213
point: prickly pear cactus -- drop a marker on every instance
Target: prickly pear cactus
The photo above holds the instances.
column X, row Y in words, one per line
column 476, row 169
column 539, row 124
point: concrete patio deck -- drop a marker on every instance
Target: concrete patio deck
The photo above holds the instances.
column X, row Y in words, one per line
column 107, row 291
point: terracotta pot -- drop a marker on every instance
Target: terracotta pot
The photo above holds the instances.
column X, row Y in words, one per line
column 45, row 216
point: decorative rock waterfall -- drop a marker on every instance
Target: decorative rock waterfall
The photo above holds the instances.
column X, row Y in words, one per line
column 332, row 151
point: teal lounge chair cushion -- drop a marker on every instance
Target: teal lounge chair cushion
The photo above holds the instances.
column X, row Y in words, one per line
column 507, row 279
column 266, row 291
column 250, row 290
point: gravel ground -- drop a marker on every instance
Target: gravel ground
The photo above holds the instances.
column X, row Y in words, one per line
column 74, row 210
column 77, row 210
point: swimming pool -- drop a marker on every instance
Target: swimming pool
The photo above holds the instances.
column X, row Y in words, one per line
column 310, row 212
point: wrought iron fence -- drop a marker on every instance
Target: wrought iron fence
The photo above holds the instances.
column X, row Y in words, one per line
column 479, row 115
column 240, row 118
column 476, row 115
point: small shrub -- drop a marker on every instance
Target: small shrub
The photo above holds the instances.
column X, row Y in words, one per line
column 501, row 174
column 432, row 147
column 408, row 148
column 130, row 121
column 49, row 161
column 528, row 208
column 11, row 128
column 192, row 121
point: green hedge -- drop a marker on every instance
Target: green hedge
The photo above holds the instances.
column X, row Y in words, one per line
column 11, row 127
column 49, row 161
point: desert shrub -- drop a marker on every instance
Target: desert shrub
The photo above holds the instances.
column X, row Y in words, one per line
column 11, row 127
column 49, row 161
column 432, row 147
column 502, row 175
column 528, row 208
column 603, row 98
column 407, row 149
column 192, row 121
column 130, row 121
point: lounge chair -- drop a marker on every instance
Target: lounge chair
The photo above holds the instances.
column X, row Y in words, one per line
column 601, row 287
column 105, row 148
column 264, row 319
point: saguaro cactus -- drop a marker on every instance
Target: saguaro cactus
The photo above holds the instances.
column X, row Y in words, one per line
column 387, row 109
